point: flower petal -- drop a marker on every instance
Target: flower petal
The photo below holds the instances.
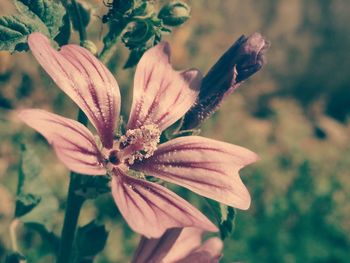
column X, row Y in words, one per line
column 189, row 240
column 161, row 94
column 73, row 142
column 207, row 167
column 84, row 79
column 150, row 209
column 205, row 254
column 212, row 247
column 155, row 249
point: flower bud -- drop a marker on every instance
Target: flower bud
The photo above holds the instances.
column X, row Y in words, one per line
column 244, row 58
column 138, row 33
column 174, row 13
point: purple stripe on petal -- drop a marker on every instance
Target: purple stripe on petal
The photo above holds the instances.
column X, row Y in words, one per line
column 84, row 79
column 189, row 248
column 73, row 143
column 155, row 249
column 150, row 209
column 207, row 167
column 161, row 94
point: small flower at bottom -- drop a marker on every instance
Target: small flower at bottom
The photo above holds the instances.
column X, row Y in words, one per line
column 161, row 97
column 179, row 246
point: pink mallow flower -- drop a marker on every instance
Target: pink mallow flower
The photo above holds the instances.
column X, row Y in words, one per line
column 161, row 96
column 179, row 246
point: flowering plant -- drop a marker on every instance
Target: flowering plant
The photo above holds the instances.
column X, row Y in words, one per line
column 161, row 97
column 156, row 148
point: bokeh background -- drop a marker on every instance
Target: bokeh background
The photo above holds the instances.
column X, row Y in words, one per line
column 294, row 113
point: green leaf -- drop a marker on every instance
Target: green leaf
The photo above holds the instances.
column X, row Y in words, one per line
column 90, row 240
column 225, row 216
column 44, row 16
column 14, row 31
column 91, row 187
column 31, row 188
column 227, row 220
column 48, row 11
column 15, row 257
column 65, row 31
column 50, row 238
column 25, row 203
column 29, row 169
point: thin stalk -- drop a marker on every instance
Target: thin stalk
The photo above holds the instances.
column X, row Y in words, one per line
column 13, row 235
column 74, row 201
column 110, row 44
column 74, row 204
column 108, row 51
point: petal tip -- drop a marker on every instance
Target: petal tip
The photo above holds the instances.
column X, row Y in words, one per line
column 255, row 158
column 212, row 228
column 161, row 51
column 250, row 158
column 164, row 46
column 245, row 202
column 193, row 77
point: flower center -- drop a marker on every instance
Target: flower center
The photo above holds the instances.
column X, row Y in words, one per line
column 113, row 157
column 135, row 145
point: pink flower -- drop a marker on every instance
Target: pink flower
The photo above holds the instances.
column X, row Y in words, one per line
column 179, row 246
column 161, row 96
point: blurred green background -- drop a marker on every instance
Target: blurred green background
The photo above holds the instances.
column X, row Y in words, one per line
column 294, row 113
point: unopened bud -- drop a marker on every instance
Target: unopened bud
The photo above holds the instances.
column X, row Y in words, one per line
column 138, row 33
column 174, row 13
column 244, row 58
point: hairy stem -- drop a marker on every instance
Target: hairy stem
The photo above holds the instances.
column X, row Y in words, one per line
column 110, row 42
column 108, row 51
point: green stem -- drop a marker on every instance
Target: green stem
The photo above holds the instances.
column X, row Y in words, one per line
column 108, row 51
column 110, row 42
column 74, row 204
column 74, row 201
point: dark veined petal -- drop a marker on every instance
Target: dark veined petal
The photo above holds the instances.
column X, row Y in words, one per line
column 179, row 245
column 210, row 250
column 189, row 248
column 84, row 79
column 155, row 249
column 205, row 166
column 73, row 142
column 161, row 94
column 208, row 253
column 189, row 240
column 150, row 209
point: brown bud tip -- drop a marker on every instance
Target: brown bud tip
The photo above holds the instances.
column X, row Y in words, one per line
column 251, row 56
column 244, row 58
